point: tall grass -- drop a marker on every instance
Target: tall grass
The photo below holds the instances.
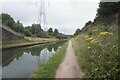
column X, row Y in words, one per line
column 98, row 53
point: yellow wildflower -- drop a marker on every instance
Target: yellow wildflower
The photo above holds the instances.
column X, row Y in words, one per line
column 88, row 47
column 94, row 30
column 105, row 33
column 94, row 41
column 89, row 39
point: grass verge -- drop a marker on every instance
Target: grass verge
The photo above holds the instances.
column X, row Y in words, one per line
column 98, row 53
column 25, row 42
column 48, row 69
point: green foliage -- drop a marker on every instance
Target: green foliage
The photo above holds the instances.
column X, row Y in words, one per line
column 50, row 31
column 77, row 32
column 107, row 12
column 87, row 26
column 27, row 33
column 106, row 15
column 8, row 20
column 37, row 30
column 100, row 59
column 48, row 70
column 34, row 30
column 55, row 33
column 108, row 8
column 88, row 23
column 18, row 27
column 89, row 33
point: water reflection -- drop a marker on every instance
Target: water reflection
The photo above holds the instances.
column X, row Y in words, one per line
column 23, row 62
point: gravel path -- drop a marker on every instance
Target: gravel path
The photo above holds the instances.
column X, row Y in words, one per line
column 69, row 68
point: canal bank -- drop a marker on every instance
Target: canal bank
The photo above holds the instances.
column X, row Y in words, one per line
column 27, row 42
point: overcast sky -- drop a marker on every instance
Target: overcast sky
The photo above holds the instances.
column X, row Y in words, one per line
column 65, row 15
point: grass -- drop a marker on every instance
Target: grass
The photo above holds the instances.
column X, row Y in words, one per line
column 26, row 41
column 36, row 39
column 98, row 58
column 48, row 69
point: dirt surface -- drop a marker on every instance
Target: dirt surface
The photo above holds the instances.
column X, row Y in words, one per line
column 69, row 68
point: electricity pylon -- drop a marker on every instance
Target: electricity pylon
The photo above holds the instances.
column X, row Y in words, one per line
column 42, row 16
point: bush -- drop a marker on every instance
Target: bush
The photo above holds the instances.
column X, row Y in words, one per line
column 8, row 20
column 27, row 33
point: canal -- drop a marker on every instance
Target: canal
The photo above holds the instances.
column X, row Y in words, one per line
column 23, row 62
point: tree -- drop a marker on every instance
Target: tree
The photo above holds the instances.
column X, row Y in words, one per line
column 27, row 33
column 18, row 27
column 106, row 13
column 36, row 30
column 77, row 32
column 8, row 20
column 107, row 8
column 28, row 28
column 56, row 32
column 50, row 30
column 88, row 23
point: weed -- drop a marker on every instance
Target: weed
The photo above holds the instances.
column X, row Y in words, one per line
column 98, row 53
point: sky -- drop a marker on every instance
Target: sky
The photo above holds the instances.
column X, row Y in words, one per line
column 65, row 15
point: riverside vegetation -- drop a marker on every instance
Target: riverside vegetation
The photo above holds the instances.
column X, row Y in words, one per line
column 96, row 44
column 35, row 30
column 29, row 35
column 48, row 69
column 98, row 54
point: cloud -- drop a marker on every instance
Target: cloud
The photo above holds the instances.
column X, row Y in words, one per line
column 22, row 11
column 65, row 15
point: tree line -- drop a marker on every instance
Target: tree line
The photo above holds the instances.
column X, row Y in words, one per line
column 34, row 30
column 107, row 14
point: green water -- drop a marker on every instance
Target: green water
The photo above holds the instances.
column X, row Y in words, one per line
column 23, row 62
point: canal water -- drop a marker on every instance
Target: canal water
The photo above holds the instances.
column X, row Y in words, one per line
column 23, row 62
